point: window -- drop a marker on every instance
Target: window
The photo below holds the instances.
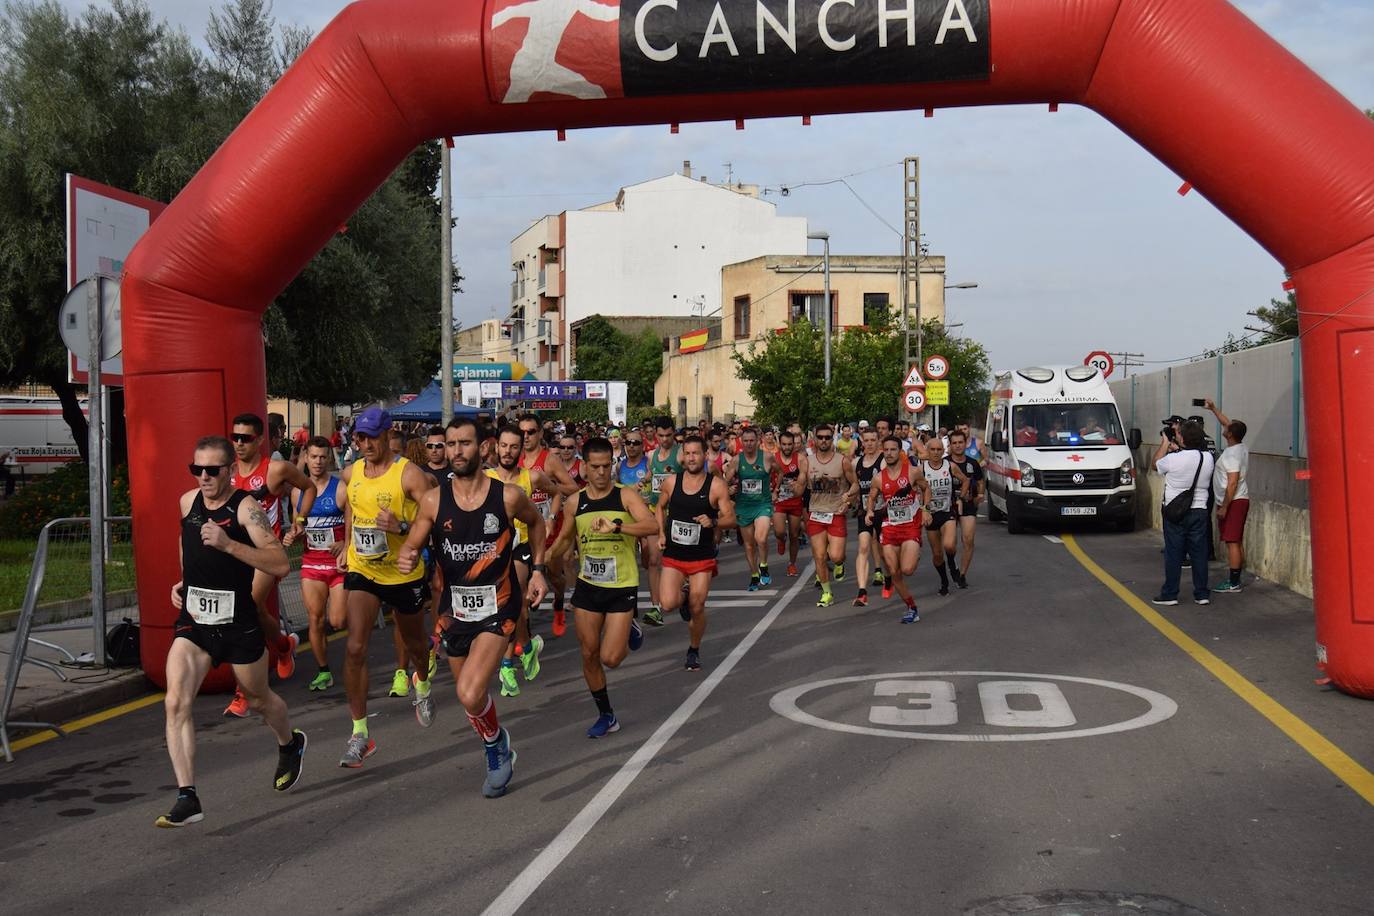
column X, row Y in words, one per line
column 681, row 411
column 741, row 316
column 708, row 408
column 877, row 309
column 808, row 305
column 1070, row 425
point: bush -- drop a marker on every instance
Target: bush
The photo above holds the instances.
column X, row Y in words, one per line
column 65, row 493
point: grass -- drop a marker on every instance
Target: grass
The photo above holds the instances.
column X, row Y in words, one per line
column 68, row 573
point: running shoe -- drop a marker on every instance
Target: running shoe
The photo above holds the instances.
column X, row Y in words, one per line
column 509, row 686
column 862, row 599
column 839, row 572
column 764, row 578
column 1227, row 586
column 286, row 661
column 753, row 583
column 944, row 588
column 424, row 705
column 826, row 599
column 530, row 660
column 603, row 726
column 693, row 662
column 238, row 706
column 653, row 617
column 887, row 589
column 560, row 622
column 684, row 610
column 816, row 583
column 1164, row 602
column 1202, row 601
column 792, row 569
column 400, row 684
column 358, row 749
column 290, row 762
column 185, row 811
column 323, row 681
column 878, row 577
column 500, row 765
column 959, row 580
column 636, row 636
column 911, row 615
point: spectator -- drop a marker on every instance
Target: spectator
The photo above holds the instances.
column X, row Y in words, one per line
column 8, row 465
column 276, row 432
column 301, row 437
column 1186, row 470
column 1228, row 482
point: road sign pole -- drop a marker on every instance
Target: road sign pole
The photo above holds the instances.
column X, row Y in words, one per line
column 95, row 463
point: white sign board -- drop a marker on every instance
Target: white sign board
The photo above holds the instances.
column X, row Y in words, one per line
column 103, row 224
column 470, row 393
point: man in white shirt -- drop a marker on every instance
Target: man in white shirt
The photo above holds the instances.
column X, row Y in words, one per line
column 1190, row 468
column 1233, row 495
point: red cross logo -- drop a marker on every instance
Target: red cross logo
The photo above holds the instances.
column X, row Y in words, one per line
column 1075, row 457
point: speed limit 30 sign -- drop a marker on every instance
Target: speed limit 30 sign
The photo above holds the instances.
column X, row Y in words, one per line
column 1102, row 361
column 914, row 400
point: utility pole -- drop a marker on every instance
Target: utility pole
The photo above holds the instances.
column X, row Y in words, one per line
column 911, row 256
column 446, row 282
column 1126, row 361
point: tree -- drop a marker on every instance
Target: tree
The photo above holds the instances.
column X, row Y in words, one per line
column 605, row 352
column 785, row 380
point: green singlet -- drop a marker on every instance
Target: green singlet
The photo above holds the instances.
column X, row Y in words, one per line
column 660, row 471
column 755, row 498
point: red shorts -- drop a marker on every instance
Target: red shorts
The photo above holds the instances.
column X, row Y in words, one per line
column 791, row 507
column 835, row 527
column 895, row 535
column 555, row 526
column 691, row 567
column 320, row 566
column 1233, row 525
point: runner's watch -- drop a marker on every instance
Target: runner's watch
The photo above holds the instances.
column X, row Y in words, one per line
column 539, row 568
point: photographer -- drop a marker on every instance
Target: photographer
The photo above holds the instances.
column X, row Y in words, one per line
column 1187, row 469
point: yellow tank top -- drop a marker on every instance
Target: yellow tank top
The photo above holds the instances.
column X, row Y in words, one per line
column 523, row 481
column 372, row 552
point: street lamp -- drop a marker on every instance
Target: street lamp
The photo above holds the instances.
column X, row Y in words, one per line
column 825, row 237
column 957, row 286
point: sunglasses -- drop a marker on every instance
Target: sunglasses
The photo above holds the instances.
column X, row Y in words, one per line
column 824, row 438
column 530, row 432
column 634, row 441
column 213, row 470
column 243, row 437
column 433, row 445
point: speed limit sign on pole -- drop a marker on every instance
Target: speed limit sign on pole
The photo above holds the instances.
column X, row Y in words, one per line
column 937, row 367
column 914, row 399
column 1102, row 361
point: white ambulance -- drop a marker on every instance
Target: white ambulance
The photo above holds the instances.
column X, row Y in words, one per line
column 33, row 435
column 1057, row 450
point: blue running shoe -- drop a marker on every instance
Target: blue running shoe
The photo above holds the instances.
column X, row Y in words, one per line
column 764, row 579
column 500, row 766
column 911, row 616
column 636, row 636
column 754, row 584
column 603, row 726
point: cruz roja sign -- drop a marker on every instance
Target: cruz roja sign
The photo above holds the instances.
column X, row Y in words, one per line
column 974, row 706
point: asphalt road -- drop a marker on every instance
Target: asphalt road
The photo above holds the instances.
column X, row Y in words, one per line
column 1034, row 787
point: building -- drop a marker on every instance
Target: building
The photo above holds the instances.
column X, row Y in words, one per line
column 656, row 250
column 486, row 342
column 768, row 293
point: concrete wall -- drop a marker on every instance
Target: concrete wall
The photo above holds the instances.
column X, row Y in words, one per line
column 1260, row 386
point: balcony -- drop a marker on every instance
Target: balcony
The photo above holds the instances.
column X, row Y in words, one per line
column 548, row 304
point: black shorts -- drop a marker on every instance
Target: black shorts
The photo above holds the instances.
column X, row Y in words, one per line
column 406, row 598
column 938, row 519
column 523, row 554
column 236, row 644
column 601, row 600
column 874, row 529
column 967, row 508
column 457, row 637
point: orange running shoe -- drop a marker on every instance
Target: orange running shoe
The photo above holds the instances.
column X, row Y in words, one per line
column 286, row 661
column 238, row 706
column 887, row 590
column 560, row 623
column 791, row 569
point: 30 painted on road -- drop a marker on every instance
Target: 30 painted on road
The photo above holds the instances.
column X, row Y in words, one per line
column 974, row 706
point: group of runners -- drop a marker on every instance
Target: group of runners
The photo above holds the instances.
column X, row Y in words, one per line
column 493, row 521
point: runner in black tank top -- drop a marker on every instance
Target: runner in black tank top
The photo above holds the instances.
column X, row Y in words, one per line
column 225, row 539
column 870, row 555
column 471, row 519
column 692, row 504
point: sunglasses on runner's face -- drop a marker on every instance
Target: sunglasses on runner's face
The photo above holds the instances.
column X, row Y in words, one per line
column 213, row 470
column 824, row 438
column 634, row 441
column 243, row 437
column 434, row 445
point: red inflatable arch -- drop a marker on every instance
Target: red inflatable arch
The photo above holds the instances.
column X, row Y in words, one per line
column 1194, row 81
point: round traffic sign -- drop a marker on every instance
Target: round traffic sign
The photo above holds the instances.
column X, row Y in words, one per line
column 73, row 319
column 1102, row 361
column 914, row 399
column 937, row 367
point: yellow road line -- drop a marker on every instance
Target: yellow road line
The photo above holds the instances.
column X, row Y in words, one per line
column 105, row 715
column 1308, row 738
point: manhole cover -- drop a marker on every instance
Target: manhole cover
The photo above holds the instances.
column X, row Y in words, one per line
column 1081, row 903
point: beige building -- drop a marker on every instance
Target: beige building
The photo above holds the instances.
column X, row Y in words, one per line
column 487, row 342
column 768, row 293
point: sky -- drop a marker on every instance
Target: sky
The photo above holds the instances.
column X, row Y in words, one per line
column 1074, row 234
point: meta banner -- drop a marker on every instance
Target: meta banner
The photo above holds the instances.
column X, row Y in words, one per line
column 542, row 50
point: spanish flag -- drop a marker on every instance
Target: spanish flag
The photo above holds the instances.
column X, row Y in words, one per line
column 693, row 341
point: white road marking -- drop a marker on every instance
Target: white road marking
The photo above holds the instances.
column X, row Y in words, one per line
column 1051, row 538
column 528, row 881
column 784, row 703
